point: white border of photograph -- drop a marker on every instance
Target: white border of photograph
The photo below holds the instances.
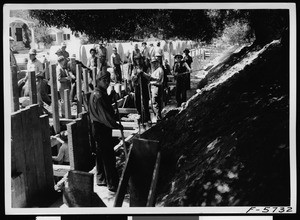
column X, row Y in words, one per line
column 160, row 210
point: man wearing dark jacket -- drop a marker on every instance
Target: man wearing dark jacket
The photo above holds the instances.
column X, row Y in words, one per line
column 103, row 121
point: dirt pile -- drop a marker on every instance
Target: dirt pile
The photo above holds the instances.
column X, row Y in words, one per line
column 230, row 145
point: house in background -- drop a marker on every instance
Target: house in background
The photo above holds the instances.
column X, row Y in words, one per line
column 16, row 31
column 61, row 35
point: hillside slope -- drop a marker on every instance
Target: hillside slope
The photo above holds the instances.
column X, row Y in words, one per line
column 229, row 146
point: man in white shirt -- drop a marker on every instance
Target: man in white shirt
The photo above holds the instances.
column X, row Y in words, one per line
column 156, row 81
column 34, row 65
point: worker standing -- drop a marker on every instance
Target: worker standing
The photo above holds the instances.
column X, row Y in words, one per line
column 159, row 53
column 34, row 65
column 156, row 82
column 180, row 69
column 103, row 121
column 188, row 59
column 64, row 81
column 115, row 61
column 62, row 52
column 141, row 91
column 146, row 57
column 102, row 56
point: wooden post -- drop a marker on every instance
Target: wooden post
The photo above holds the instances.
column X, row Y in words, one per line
column 67, row 104
column 94, row 73
column 78, row 89
column 54, row 99
column 72, row 142
column 32, row 87
column 85, row 81
column 47, row 73
column 44, row 121
column 14, row 90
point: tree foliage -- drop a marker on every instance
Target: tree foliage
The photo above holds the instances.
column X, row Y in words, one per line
column 193, row 24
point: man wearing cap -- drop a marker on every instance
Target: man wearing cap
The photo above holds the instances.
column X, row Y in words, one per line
column 64, row 80
column 103, row 121
column 180, row 70
column 188, row 59
column 102, row 56
column 62, row 52
column 156, row 82
column 34, row 65
column 115, row 61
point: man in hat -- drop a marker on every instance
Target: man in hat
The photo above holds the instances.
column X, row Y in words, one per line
column 156, row 82
column 103, row 121
column 62, row 52
column 188, row 59
column 180, row 70
column 34, row 65
column 102, row 57
column 115, row 61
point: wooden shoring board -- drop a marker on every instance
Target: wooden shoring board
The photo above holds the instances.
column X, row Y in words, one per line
column 117, row 133
column 123, row 183
column 141, row 171
column 152, row 192
column 18, row 169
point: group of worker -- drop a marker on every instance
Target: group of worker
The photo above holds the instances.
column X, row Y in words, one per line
column 146, row 76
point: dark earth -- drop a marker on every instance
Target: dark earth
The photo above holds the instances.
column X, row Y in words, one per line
column 229, row 146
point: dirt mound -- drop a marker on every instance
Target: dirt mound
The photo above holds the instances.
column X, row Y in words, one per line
column 230, row 145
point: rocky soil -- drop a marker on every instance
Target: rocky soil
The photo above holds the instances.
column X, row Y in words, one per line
column 229, row 146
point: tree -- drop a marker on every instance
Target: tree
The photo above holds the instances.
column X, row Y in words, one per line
column 193, row 24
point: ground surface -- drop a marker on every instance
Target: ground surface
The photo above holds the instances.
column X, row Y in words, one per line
column 230, row 145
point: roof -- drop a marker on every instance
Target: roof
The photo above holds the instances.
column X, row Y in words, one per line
column 16, row 19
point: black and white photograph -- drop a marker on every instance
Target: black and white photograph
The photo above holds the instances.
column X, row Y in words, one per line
column 179, row 108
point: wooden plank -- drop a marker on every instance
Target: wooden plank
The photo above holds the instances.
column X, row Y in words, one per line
column 121, row 142
column 47, row 72
column 18, row 163
column 123, row 183
column 79, row 190
column 38, row 148
column 128, row 111
column 15, row 106
column 79, row 88
column 94, row 73
column 54, row 99
column 72, row 142
column 32, row 87
column 145, row 152
column 152, row 191
column 67, row 104
column 117, row 133
column 85, row 162
column 47, row 153
column 85, row 81
column 30, row 164
column 18, row 193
